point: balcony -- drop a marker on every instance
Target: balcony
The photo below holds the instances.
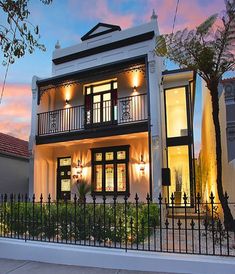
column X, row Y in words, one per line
column 123, row 111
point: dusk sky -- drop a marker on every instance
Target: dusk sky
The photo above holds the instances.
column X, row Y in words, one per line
column 67, row 21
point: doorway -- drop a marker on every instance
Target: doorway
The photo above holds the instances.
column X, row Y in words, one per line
column 64, row 178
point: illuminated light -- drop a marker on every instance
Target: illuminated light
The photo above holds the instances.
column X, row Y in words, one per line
column 142, row 165
column 135, row 80
column 66, row 102
column 78, row 171
column 177, row 101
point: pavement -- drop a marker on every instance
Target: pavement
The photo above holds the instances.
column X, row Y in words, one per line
column 25, row 267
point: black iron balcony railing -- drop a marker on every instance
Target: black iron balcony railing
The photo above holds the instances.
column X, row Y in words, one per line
column 132, row 109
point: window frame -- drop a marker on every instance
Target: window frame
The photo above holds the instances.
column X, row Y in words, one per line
column 89, row 98
column 115, row 161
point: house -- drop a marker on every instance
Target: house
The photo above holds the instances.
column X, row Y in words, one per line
column 14, row 165
column 208, row 155
column 111, row 116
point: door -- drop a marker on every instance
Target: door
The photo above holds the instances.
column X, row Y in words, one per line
column 100, row 105
column 64, row 178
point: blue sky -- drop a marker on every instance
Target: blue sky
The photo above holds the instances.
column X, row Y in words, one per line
column 67, row 21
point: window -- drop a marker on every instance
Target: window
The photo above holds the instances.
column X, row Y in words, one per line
column 110, row 170
column 176, row 112
column 178, row 162
column 101, row 103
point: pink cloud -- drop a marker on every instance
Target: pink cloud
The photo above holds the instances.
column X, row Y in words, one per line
column 99, row 9
column 15, row 110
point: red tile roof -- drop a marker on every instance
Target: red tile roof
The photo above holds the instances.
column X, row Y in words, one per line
column 228, row 80
column 13, row 146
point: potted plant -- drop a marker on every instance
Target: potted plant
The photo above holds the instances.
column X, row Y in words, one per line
column 178, row 186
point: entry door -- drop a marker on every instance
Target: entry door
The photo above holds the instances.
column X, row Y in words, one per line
column 64, row 178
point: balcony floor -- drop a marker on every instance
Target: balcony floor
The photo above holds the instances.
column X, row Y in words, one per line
column 96, row 132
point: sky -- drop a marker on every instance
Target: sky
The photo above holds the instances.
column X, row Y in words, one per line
column 67, row 21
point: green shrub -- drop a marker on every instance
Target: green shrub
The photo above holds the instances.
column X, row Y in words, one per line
column 83, row 222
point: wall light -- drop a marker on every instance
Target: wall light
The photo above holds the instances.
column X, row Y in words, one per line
column 66, row 102
column 78, row 171
column 142, row 165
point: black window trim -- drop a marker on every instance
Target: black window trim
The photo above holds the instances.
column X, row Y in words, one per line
column 115, row 161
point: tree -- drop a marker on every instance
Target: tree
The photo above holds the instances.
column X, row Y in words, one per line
column 209, row 50
column 18, row 34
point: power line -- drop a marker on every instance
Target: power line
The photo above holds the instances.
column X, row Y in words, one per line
column 176, row 10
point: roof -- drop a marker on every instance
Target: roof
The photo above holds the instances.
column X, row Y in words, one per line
column 228, row 80
column 13, row 146
column 100, row 29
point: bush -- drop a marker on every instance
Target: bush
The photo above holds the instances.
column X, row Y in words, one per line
column 81, row 222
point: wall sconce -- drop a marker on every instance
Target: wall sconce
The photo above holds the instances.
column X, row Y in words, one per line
column 78, row 173
column 135, row 89
column 66, row 102
column 142, row 165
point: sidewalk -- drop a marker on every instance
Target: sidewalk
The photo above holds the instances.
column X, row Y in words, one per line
column 27, row 267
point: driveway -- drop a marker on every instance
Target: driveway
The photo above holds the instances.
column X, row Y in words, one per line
column 27, row 267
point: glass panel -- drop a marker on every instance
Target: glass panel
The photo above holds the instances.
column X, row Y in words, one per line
column 65, row 185
column 96, row 108
column 109, row 156
column 178, row 162
column 109, row 177
column 65, row 162
column 98, row 178
column 115, row 85
column 88, row 91
column 62, row 173
column 98, row 157
column 176, row 112
column 121, row 177
column 107, row 96
column 121, row 155
column 101, row 88
column 106, row 107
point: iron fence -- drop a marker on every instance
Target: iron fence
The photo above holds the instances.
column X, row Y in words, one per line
column 115, row 223
column 125, row 110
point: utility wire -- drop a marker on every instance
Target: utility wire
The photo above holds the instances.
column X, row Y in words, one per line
column 8, row 63
column 176, row 10
column 4, row 81
column 173, row 26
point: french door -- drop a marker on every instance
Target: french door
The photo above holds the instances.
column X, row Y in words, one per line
column 100, row 105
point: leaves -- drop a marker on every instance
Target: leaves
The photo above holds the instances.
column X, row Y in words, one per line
column 207, row 24
column 208, row 49
column 18, row 36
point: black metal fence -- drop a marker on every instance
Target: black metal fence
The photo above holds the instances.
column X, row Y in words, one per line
column 117, row 223
column 131, row 109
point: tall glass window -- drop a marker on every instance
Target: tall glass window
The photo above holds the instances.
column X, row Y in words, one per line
column 110, row 169
column 178, row 162
column 176, row 112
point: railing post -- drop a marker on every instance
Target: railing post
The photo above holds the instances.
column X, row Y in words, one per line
column 212, row 221
column 137, row 220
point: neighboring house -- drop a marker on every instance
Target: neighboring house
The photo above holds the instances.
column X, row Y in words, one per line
column 109, row 115
column 208, row 155
column 14, row 165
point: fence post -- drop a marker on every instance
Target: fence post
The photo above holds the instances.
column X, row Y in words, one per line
column 198, row 200
column 160, row 218
column 137, row 220
column 212, row 221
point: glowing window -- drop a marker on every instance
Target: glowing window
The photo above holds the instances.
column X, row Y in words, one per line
column 176, row 112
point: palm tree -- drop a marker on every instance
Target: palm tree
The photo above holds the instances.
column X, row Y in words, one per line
column 209, row 50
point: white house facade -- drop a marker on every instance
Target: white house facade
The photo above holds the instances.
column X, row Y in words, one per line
column 112, row 117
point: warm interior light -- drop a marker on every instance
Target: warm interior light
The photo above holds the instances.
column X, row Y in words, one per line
column 66, row 102
column 142, row 165
column 78, row 171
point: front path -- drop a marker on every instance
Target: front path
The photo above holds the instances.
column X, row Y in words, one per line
column 28, row 267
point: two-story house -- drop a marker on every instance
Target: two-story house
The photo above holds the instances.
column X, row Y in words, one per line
column 110, row 115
